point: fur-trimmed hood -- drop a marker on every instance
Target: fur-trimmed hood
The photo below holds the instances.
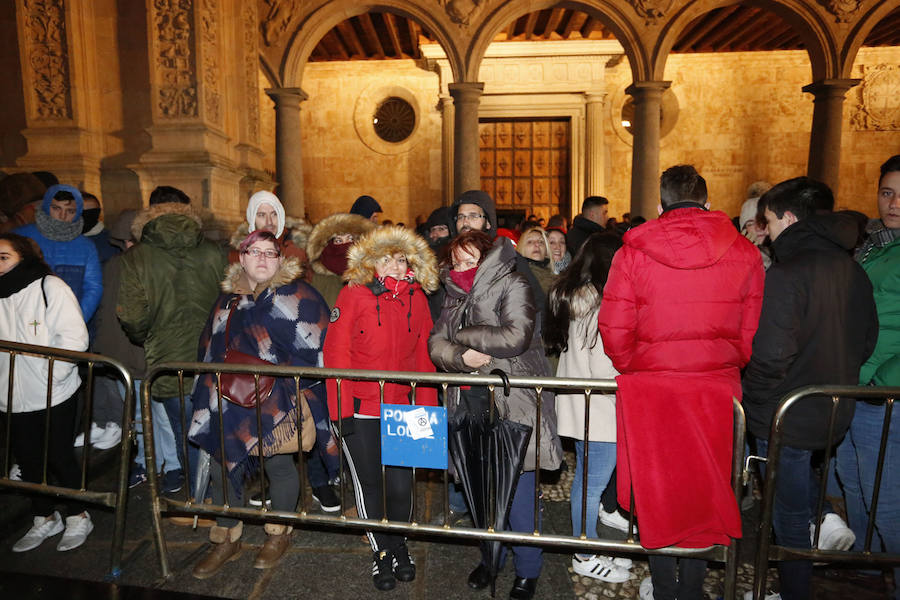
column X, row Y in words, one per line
column 331, row 226
column 299, row 232
column 387, row 241
column 236, row 281
column 164, row 208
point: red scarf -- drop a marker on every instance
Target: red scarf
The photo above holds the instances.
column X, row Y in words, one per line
column 464, row 279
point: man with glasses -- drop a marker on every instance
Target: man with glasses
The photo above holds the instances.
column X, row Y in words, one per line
column 473, row 209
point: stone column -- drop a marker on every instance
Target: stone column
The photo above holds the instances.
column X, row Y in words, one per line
column 647, row 98
column 288, row 146
column 448, row 122
column 595, row 170
column 825, row 139
column 467, row 170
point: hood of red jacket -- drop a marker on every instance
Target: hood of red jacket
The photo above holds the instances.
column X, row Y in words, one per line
column 685, row 238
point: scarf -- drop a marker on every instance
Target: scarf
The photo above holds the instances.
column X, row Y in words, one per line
column 464, row 279
column 91, row 217
column 334, row 257
column 878, row 236
column 58, row 231
column 20, row 276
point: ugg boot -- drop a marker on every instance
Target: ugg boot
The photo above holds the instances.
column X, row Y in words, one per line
column 226, row 548
column 278, row 540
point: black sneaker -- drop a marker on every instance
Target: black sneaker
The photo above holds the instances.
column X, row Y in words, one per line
column 172, row 481
column 404, row 567
column 326, row 498
column 256, row 500
column 382, row 575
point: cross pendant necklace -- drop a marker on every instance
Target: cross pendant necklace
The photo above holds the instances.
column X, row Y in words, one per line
column 35, row 325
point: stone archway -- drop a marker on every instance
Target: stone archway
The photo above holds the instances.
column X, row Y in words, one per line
column 861, row 30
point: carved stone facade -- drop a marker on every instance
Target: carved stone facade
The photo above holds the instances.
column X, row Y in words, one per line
column 651, row 10
column 877, row 107
column 461, row 12
column 174, row 67
column 210, row 51
column 843, row 10
column 48, row 59
column 251, row 68
column 278, row 14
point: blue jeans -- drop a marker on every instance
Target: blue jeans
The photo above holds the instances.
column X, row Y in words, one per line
column 796, row 494
column 173, row 410
column 857, row 458
column 601, row 463
column 163, row 439
column 528, row 559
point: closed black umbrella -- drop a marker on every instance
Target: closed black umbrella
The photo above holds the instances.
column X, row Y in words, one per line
column 487, row 453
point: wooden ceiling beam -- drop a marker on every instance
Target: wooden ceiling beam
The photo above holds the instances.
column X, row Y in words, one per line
column 391, row 26
column 553, row 22
column 886, row 32
column 413, row 28
column 761, row 42
column 337, row 50
column 589, row 26
column 351, row 39
column 716, row 39
column 530, row 22
column 780, row 42
column 575, row 22
column 762, row 26
column 371, row 34
column 704, row 27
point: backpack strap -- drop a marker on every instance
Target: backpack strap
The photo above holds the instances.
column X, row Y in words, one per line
column 44, row 291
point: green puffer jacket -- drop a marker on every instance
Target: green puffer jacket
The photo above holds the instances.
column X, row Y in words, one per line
column 170, row 281
column 882, row 265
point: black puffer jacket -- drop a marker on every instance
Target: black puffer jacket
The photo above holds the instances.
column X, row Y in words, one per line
column 818, row 325
column 498, row 317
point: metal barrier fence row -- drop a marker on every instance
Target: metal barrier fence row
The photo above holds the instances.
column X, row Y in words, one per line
column 117, row 499
column 494, row 383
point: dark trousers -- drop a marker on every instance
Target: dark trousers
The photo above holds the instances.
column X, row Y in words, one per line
column 362, row 448
column 680, row 578
column 27, row 445
column 284, row 486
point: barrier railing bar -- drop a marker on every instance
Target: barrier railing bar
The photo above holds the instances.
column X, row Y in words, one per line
column 47, row 420
column 86, row 422
column 882, row 449
column 537, row 460
column 9, row 412
column 584, row 461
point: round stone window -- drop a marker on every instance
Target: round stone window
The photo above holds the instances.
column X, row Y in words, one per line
column 667, row 118
column 394, row 120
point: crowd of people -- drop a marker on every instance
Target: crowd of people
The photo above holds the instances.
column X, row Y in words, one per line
column 687, row 312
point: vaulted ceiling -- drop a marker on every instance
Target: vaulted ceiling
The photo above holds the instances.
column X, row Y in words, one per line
column 735, row 28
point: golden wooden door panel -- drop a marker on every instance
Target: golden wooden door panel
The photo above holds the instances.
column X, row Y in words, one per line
column 540, row 163
column 486, row 161
column 522, row 134
column 503, row 134
column 503, row 192
column 541, row 136
column 486, row 132
column 522, row 163
column 504, row 163
column 522, row 193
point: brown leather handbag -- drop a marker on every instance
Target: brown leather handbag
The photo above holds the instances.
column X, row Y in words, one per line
column 240, row 388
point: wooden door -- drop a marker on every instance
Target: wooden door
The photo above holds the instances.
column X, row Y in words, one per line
column 525, row 165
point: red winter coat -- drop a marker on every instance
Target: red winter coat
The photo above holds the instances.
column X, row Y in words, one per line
column 372, row 328
column 678, row 316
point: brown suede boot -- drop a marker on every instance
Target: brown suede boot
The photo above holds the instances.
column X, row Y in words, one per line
column 278, row 540
column 226, row 548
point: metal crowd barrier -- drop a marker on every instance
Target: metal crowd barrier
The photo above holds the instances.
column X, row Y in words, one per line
column 494, row 383
column 766, row 550
column 116, row 499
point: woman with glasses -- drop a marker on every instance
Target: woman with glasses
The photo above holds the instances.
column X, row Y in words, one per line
column 266, row 311
column 381, row 321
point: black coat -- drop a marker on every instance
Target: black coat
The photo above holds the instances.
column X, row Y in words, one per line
column 818, row 325
column 580, row 231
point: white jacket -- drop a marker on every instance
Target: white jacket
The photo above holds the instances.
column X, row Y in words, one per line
column 25, row 318
column 583, row 362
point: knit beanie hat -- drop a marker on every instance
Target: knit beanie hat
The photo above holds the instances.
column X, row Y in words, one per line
column 748, row 211
column 365, row 206
column 264, row 197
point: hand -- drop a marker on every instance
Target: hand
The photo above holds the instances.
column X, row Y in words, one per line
column 475, row 359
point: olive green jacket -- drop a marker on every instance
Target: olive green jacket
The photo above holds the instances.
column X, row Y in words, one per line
column 170, row 281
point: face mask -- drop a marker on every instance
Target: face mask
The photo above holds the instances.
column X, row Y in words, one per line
column 334, row 257
column 91, row 217
column 464, row 279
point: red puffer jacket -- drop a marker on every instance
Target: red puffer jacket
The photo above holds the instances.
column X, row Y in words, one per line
column 678, row 316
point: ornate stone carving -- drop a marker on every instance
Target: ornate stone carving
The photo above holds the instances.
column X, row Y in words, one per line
column 209, row 38
column 878, row 99
column 651, row 9
column 277, row 19
column 175, row 59
column 251, row 77
column 47, row 54
column 843, row 10
column 461, row 11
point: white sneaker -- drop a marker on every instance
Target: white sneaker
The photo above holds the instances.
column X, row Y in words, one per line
column 111, row 436
column 600, row 567
column 766, row 596
column 96, row 433
column 15, row 473
column 77, row 530
column 645, row 592
column 43, row 528
column 833, row 534
column 615, row 520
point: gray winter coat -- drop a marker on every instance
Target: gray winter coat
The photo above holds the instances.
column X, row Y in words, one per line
column 498, row 317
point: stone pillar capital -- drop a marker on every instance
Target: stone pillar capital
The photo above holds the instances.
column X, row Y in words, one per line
column 830, row 87
column 467, row 91
column 640, row 90
column 594, row 97
column 287, row 96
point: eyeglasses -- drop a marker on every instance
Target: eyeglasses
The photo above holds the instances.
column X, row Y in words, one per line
column 256, row 253
column 468, row 217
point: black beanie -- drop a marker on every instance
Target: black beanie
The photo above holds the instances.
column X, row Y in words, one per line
column 365, row 206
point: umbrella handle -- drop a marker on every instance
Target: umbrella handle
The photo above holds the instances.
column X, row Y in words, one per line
column 505, row 378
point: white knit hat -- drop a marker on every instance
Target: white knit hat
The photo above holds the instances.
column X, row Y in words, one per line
column 264, row 197
column 748, row 211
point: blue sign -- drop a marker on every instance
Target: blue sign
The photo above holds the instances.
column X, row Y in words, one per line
column 414, row 436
